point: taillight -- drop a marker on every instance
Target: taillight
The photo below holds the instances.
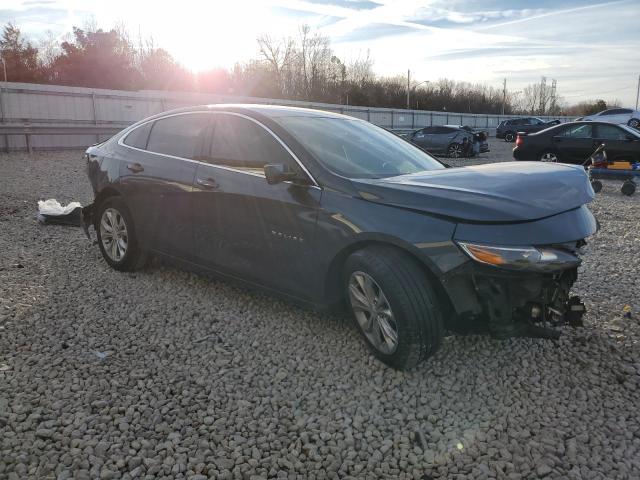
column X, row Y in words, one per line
column 518, row 141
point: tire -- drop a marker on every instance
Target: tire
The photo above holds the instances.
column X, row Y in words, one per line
column 455, row 151
column 413, row 311
column 596, row 185
column 124, row 254
column 510, row 137
column 628, row 188
column 634, row 123
column 550, row 156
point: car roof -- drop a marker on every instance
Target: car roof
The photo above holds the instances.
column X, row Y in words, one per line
column 273, row 111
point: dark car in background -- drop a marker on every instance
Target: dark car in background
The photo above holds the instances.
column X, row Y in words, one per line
column 453, row 141
column 329, row 210
column 508, row 129
column 574, row 142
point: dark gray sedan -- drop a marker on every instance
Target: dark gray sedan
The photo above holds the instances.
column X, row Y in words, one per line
column 453, row 141
column 328, row 210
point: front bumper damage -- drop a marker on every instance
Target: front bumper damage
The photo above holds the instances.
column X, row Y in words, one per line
column 512, row 303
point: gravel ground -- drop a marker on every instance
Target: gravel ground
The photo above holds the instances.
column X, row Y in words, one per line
column 166, row 374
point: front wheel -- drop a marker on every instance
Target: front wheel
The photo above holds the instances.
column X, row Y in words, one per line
column 394, row 305
column 510, row 137
column 549, row 156
column 634, row 123
column 455, row 150
column 116, row 236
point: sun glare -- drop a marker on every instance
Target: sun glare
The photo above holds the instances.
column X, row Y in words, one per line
column 203, row 35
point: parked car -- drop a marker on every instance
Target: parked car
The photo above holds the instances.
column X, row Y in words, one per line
column 625, row 116
column 329, row 210
column 453, row 141
column 574, row 142
column 508, row 129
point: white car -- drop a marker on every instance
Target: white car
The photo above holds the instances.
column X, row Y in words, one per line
column 618, row 116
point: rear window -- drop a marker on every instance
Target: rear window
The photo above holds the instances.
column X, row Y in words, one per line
column 138, row 137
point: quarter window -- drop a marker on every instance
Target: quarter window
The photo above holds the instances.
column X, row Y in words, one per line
column 138, row 136
column 179, row 135
column 242, row 144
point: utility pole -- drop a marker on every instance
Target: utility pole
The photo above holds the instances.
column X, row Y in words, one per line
column 4, row 67
column 543, row 95
column 552, row 108
column 504, row 94
column 408, row 83
column 638, row 92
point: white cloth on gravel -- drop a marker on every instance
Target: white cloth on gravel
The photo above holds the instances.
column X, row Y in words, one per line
column 53, row 207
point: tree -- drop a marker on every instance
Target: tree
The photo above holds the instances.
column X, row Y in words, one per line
column 20, row 57
column 97, row 59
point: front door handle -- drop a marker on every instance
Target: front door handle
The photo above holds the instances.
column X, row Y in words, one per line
column 208, row 183
column 135, row 167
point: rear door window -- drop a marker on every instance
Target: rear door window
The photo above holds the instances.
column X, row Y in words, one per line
column 138, row 137
column 180, row 135
column 577, row 131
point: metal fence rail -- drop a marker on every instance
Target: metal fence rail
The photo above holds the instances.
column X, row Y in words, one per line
column 31, row 106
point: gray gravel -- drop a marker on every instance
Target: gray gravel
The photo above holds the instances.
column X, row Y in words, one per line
column 166, row 374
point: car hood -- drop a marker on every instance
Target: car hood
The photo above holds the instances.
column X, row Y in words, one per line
column 499, row 192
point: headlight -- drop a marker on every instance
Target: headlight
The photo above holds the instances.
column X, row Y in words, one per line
column 521, row 258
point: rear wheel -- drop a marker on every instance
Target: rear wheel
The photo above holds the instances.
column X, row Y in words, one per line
column 394, row 305
column 510, row 137
column 116, row 236
column 634, row 123
column 549, row 156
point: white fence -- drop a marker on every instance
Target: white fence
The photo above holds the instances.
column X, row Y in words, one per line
column 28, row 104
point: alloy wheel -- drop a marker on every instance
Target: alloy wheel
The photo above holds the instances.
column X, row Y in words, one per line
column 549, row 157
column 455, row 151
column 509, row 137
column 113, row 234
column 634, row 123
column 373, row 312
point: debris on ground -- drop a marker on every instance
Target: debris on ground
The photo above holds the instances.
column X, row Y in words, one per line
column 51, row 212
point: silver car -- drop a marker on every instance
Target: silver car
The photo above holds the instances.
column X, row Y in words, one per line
column 618, row 116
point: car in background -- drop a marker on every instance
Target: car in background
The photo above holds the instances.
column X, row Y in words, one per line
column 508, row 129
column 575, row 141
column 620, row 116
column 331, row 211
column 452, row 141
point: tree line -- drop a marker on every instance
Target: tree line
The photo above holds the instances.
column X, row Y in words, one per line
column 301, row 67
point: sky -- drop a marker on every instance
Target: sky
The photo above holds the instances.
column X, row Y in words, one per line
column 591, row 47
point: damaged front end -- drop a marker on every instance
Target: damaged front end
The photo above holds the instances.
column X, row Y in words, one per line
column 87, row 219
column 513, row 291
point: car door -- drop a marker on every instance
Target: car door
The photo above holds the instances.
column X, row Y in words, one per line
column 444, row 136
column 424, row 138
column 158, row 179
column 242, row 225
column 620, row 144
column 574, row 143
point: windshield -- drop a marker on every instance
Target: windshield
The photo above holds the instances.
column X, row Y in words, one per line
column 630, row 130
column 357, row 149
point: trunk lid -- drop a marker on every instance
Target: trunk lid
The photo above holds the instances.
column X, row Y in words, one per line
column 499, row 192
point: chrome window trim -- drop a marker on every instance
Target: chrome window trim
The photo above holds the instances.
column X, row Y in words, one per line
column 222, row 167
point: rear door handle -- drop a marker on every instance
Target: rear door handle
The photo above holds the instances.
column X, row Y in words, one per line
column 208, row 183
column 135, row 167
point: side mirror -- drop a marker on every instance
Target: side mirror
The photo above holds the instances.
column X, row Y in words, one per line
column 276, row 173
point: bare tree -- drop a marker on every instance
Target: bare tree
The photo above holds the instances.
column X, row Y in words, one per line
column 278, row 55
